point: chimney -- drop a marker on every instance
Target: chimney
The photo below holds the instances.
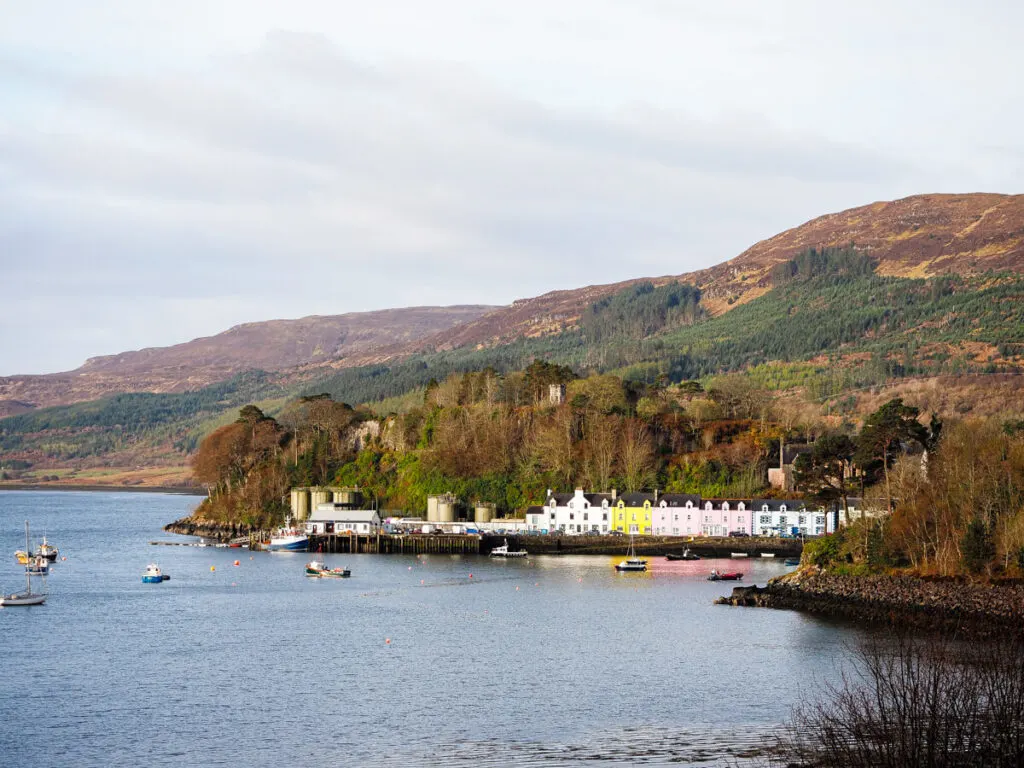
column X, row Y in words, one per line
column 655, row 495
column 782, row 449
column 613, row 494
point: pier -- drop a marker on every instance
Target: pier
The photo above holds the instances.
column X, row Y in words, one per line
column 395, row 544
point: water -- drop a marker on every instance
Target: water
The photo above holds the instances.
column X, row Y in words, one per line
column 549, row 661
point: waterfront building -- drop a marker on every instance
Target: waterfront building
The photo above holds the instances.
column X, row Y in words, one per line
column 572, row 513
column 789, row 517
column 632, row 513
column 676, row 514
column 503, row 525
column 338, row 518
column 720, row 517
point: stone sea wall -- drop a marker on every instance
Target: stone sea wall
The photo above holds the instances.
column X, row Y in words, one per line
column 948, row 604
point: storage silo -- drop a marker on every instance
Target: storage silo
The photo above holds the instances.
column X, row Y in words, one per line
column 446, row 510
column 320, row 496
column 300, row 503
column 432, row 509
column 483, row 512
column 349, row 497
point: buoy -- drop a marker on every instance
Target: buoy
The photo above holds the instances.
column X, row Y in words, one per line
column 212, row 569
column 387, row 641
column 237, row 563
column 517, row 589
column 63, row 559
column 421, row 581
column 536, row 583
column 471, row 575
column 410, row 567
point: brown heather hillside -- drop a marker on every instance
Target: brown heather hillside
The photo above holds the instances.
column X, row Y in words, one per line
column 918, row 236
column 272, row 346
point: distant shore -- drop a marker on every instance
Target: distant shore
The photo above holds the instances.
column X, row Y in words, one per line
column 186, row 490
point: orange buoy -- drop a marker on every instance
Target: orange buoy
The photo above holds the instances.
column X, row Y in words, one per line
column 387, row 641
column 421, row 581
column 237, row 563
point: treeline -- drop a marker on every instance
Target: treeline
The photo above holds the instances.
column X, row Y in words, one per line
column 491, row 437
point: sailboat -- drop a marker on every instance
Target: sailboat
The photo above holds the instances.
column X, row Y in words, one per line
column 632, row 562
column 28, row 597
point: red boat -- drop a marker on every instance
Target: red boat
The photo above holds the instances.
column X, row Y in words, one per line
column 716, row 576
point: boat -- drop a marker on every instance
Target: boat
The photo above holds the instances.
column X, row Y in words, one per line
column 289, row 539
column 686, row 554
column 738, row 554
column 38, row 566
column 317, row 567
column 767, row 554
column 153, row 575
column 46, row 550
column 632, row 562
column 716, row 576
column 28, row 597
column 22, row 557
column 502, row 551
column 791, row 561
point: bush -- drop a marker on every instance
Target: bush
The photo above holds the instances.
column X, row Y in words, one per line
column 823, row 551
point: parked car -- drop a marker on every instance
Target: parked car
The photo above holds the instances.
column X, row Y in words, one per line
column 738, row 534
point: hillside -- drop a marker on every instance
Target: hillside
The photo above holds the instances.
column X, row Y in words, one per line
column 270, row 346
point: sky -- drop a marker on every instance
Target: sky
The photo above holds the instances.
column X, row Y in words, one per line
column 171, row 169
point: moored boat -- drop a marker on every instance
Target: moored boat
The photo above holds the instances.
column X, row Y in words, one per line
column 632, row 562
column 28, row 597
column 318, row 568
column 46, row 550
column 686, row 554
column 739, row 554
column 22, row 557
column 503, row 551
column 717, row 576
column 767, row 554
column 289, row 539
column 38, row 566
column 791, row 561
column 153, row 575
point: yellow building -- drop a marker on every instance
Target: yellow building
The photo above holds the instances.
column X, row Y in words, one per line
column 632, row 514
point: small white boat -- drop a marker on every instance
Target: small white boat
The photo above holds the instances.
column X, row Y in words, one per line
column 738, row 554
column 28, row 597
column 317, row 567
column 503, row 551
column 767, row 554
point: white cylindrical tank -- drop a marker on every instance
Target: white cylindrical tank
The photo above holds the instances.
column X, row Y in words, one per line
column 320, row 496
column 300, row 503
column 445, row 511
column 483, row 512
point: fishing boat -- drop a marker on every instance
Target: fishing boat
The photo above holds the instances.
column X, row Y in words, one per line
column 716, row 576
column 503, row 551
column 38, row 566
column 28, row 597
column 318, row 568
column 153, row 575
column 632, row 562
column 289, row 539
column 22, row 557
column 47, row 550
column 686, row 554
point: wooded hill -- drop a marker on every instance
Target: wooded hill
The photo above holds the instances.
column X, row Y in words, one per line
column 823, row 323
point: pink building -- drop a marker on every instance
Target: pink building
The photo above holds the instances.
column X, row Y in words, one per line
column 720, row 517
column 676, row 514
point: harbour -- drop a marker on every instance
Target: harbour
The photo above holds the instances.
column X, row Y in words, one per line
column 256, row 638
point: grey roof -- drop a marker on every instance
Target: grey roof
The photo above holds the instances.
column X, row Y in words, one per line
column 325, row 513
column 679, row 499
column 733, row 503
column 596, row 498
column 775, row 505
column 636, row 499
column 536, row 510
column 561, row 499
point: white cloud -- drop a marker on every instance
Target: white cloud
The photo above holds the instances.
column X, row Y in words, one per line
column 233, row 162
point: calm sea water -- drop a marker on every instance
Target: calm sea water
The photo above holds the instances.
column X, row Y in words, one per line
column 550, row 661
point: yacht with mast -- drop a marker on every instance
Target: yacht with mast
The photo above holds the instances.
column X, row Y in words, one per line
column 632, row 562
column 28, row 597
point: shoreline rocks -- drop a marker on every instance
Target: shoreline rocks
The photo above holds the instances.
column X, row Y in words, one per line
column 942, row 604
column 208, row 529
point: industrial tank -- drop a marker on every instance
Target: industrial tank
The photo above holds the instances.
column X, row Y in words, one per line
column 445, row 511
column 321, row 496
column 300, row 503
column 350, row 497
column 483, row 512
column 432, row 509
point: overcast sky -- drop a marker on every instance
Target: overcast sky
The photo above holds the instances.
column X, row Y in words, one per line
column 171, row 169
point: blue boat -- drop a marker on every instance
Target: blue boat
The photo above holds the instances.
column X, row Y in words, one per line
column 152, row 574
column 289, row 540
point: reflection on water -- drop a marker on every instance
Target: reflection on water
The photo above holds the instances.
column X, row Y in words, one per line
column 425, row 660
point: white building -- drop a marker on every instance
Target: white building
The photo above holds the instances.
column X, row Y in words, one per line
column 572, row 513
column 336, row 518
column 788, row 517
column 502, row 524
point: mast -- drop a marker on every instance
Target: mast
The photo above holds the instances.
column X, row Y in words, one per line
column 28, row 578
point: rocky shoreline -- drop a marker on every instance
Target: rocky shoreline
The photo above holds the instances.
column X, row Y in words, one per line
column 964, row 606
column 208, row 529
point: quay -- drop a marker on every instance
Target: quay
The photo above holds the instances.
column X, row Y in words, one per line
column 467, row 544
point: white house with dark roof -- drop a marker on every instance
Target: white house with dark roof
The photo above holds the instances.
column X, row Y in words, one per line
column 572, row 513
column 336, row 518
column 789, row 517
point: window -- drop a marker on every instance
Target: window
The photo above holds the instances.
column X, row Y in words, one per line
column 820, row 520
column 586, row 515
column 802, row 520
column 675, row 531
column 766, row 519
column 572, row 516
column 634, row 515
column 782, row 519
column 687, row 517
column 676, row 517
column 739, row 519
column 604, row 516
